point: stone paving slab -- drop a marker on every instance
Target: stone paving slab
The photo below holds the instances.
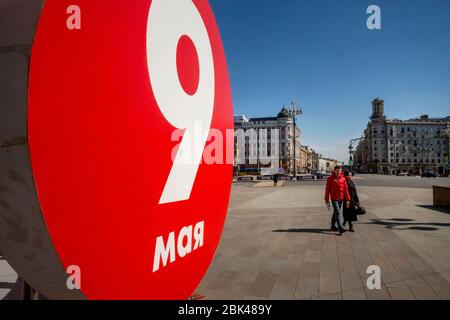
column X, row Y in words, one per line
column 268, row 184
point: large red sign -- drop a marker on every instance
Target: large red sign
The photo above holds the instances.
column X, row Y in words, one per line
column 104, row 102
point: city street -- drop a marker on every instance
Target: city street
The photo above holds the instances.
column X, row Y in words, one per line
column 277, row 244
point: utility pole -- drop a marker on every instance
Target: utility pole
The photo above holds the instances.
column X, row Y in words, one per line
column 294, row 111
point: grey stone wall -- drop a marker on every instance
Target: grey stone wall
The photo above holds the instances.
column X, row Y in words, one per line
column 24, row 239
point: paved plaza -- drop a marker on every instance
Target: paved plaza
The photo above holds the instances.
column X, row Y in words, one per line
column 10, row 284
column 276, row 243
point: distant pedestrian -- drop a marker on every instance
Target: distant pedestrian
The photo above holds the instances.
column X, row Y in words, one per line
column 337, row 191
column 275, row 179
column 350, row 214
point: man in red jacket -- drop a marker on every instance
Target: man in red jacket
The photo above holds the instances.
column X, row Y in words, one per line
column 336, row 191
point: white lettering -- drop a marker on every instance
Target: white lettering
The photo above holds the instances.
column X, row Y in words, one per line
column 198, row 234
column 186, row 232
column 164, row 251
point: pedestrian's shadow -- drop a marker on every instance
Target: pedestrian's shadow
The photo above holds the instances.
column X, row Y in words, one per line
column 438, row 209
column 408, row 224
column 304, row 230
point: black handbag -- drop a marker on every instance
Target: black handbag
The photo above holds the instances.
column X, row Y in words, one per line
column 360, row 211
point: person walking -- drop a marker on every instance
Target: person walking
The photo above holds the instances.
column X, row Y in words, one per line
column 350, row 215
column 336, row 190
column 275, row 179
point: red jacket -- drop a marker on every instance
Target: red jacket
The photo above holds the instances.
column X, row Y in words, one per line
column 336, row 188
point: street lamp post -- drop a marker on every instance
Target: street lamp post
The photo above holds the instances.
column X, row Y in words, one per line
column 446, row 134
column 236, row 162
column 424, row 149
column 350, row 148
column 294, row 111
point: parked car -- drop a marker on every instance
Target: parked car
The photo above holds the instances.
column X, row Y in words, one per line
column 321, row 174
column 429, row 174
column 402, row 173
column 350, row 169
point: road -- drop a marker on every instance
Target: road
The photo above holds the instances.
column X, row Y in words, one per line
column 389, row 181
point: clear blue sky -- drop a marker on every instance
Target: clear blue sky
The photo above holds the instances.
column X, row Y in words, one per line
column 321, row 54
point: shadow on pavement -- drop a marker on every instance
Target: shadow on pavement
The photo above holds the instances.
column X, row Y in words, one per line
column 312, row 230
column 438, row 209
column 408, row 224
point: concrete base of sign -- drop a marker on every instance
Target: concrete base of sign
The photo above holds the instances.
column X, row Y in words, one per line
column 24, row 239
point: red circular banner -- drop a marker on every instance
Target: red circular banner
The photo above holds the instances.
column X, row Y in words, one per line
column 103, row 104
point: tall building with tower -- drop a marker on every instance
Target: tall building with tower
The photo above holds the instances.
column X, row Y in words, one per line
column 416, row 145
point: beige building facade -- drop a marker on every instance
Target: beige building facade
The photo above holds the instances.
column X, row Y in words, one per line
column 390, row 146
column 269, row 143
